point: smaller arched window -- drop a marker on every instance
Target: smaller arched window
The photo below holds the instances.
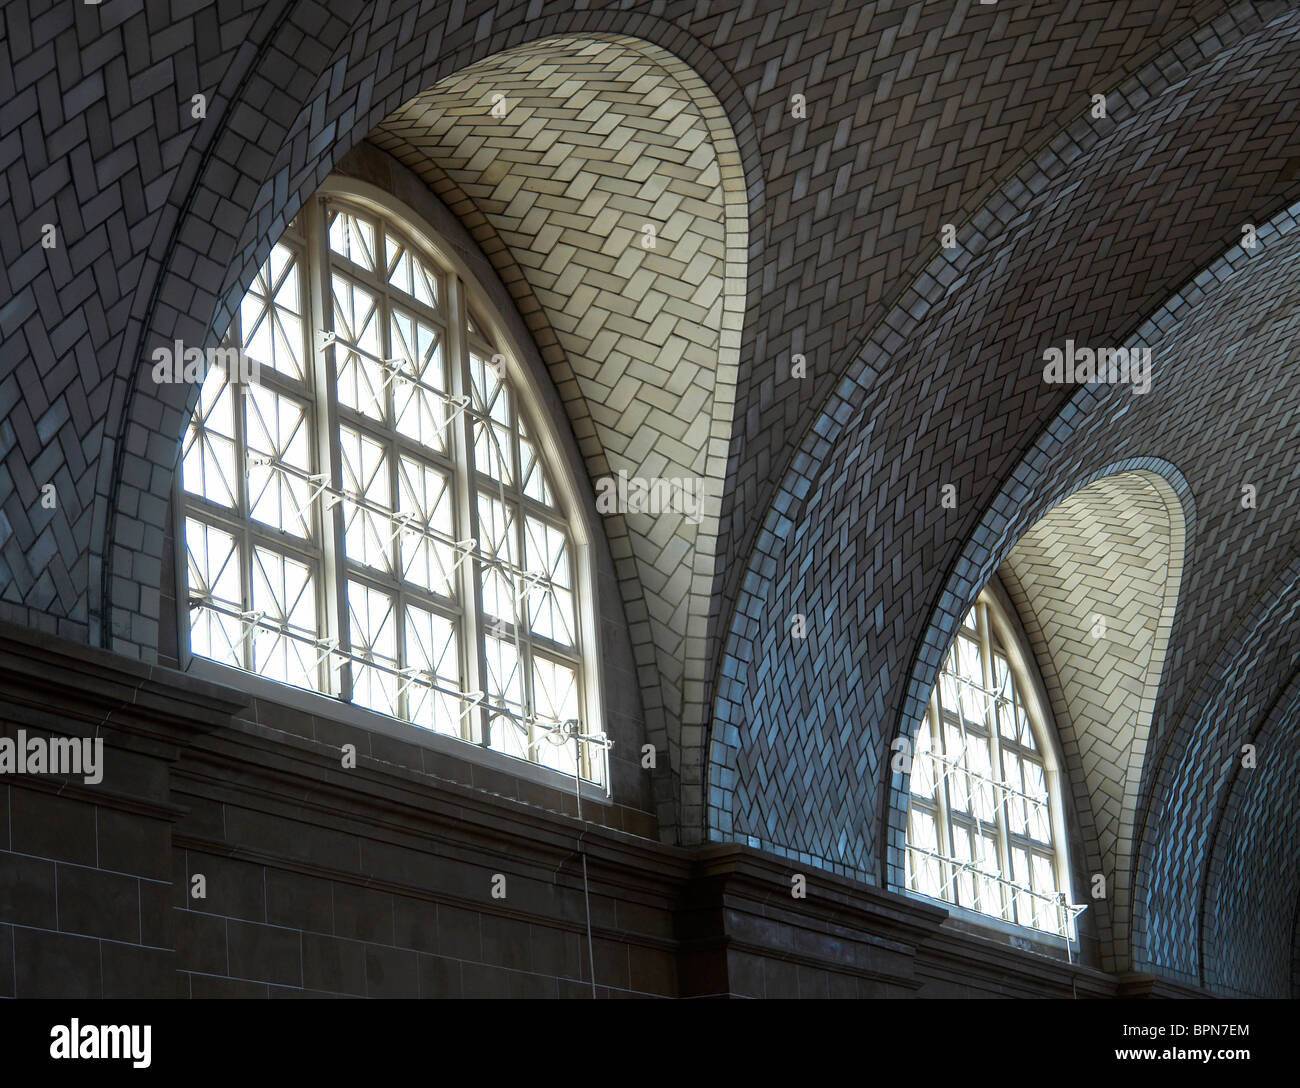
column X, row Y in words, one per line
column 366, row 503
column 983, row 824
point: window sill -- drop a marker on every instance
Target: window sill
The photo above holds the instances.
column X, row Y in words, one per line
column 334, row 710
column 1017, row 936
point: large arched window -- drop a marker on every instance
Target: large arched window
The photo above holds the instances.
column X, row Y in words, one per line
column 366, row 510
column 984, row 824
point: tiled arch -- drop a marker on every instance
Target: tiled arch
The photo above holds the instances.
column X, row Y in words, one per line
column 1113, row 550
column 1252, row 882
column 850, row 333
column 855, row 532
column 229, row 227
column 1195, row 772
column 235, row 198
column 602, row 136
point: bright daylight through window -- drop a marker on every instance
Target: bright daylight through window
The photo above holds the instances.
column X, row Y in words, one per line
column 980, row 827
column 369, row 516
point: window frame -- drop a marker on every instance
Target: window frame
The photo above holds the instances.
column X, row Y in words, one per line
column 464, row 298
column 998, row 630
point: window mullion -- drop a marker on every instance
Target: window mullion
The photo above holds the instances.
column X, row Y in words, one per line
column 995, row 751
column 473, row 658
column 325, row 418
column 243, row 505
column 943, row 837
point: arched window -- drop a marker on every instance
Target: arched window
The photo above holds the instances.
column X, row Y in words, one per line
column 983, row 826
column 367, row 511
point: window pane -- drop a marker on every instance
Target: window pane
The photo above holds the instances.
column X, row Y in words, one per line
column 362, row 384
column 963, row 851
column 980, row 762
column 923, row 767
column 271, row 316
column 285, row 590
column 367, row 532
column 208, row 468
column 497, row 541
column 535, row 484
column 352, row 237
column 279, row 447
column 958, row 781
column 425, row 497
column 432, row 648
column 990, row 891
column 973, row 700
column 555, row 695
column 1040, row 822
column 408, row 273
column 923, row 870
column 546, row 552
column 505, row 687
column 494, row 438
column 213, row 577
column 420, row 415
column 374, row 638
column 1015, row 807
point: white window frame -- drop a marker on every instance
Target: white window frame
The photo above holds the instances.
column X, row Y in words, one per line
column 998, row 628
column 462, row 295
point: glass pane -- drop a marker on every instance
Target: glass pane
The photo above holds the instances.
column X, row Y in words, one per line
column 1015, row 806
column 368, row 532
column 408, row 273
column 973, row 701
column 1040, row 821
column 209, row 459
column 949, row 687
column 425, row 497
column 535, row 483
column 555, row 697
column 1025, row 729
column 980, row 761
column 990, row 891
column 958, row 781
column 362, row 381
column 1020, row 876
column 923, row 870
column 285, row 590
column 962, row 851
column 923, row 768
column 374, row 638
column 497, row 540
column 421, row 415
column 213, row 576
column 353, row 238
column 432, row 647
column 494, row 443
column 271, row 316
column 505, row 688
column 279, row 447
column 550, row 603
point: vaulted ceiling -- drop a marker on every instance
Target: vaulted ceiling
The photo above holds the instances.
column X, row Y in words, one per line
column 610, row 196
column 1095, row 583
column 820, row 236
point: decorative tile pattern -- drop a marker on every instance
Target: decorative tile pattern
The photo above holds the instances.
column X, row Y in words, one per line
column 1112, row 552
column 923, row 364
column 598, row 140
